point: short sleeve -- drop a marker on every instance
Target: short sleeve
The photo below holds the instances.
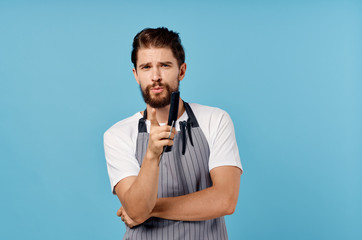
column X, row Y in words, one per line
column 120, row 157
column 223, row 147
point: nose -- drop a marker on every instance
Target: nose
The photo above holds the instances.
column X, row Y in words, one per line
column 156, row 74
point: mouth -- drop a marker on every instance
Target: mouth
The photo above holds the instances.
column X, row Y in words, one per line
column 157, row 89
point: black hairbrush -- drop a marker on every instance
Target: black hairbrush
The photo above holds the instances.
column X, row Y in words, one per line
column 172, row 116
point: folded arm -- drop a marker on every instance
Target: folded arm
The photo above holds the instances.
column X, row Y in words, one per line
column 138, row 194
column 218, row 200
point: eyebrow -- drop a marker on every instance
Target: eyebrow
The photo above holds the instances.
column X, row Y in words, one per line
column 148, row 63
column 167, row 62
column 143, row 64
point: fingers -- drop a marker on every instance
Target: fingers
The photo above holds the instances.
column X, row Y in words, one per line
column 163, row 138
column 153, row 119
column 125, row 218
column 166, row 135
column 166, row 128
column 166, row 142
column 160, row 136
column 119, row 212
column 128, row 221
column 163, row 132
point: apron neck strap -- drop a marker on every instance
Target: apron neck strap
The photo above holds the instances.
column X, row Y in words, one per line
column 191, row 116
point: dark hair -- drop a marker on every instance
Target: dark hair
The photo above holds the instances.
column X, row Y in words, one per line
column 159, row 38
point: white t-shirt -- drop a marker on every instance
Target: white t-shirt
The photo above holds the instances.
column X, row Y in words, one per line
column 120, row 141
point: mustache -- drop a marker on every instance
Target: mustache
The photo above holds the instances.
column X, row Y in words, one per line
column 157, row 85
column 148, row 88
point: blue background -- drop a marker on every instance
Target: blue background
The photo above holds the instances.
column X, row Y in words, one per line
column 288, row 73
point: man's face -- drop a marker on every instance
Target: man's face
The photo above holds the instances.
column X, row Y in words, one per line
column 158, row 75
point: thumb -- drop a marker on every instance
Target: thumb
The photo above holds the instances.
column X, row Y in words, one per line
column 153, row 118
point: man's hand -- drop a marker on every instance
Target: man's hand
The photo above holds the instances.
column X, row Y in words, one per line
column 138, row 194
column 159, row 136
column 125, row 218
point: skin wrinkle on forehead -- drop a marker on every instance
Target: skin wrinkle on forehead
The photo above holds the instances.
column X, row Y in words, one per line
column 153, row 52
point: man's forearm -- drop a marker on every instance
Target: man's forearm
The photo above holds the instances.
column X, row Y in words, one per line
column 141, row 197
column 198, row 206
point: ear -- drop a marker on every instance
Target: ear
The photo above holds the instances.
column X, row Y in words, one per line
column 182, row 71
column 136, row 75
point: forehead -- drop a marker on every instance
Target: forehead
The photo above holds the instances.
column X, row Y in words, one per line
column 152, row 54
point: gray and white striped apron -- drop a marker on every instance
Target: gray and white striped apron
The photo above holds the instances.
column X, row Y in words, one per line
column 182, row 171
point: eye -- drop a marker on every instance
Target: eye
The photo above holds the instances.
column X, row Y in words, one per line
column 145, row 67
column 165, row 65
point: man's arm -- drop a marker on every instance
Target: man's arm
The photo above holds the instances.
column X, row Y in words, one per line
column 218, row 200
column 138, row 194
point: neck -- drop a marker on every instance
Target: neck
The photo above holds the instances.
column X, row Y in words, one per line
column 162, row 113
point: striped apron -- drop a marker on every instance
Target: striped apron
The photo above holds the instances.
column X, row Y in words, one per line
column 182, row 171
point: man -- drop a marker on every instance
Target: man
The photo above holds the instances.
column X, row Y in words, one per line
column 185, row 193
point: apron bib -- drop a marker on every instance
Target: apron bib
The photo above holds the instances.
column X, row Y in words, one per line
column 183, row 170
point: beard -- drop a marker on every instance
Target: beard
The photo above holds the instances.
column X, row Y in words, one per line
column 159, row 100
